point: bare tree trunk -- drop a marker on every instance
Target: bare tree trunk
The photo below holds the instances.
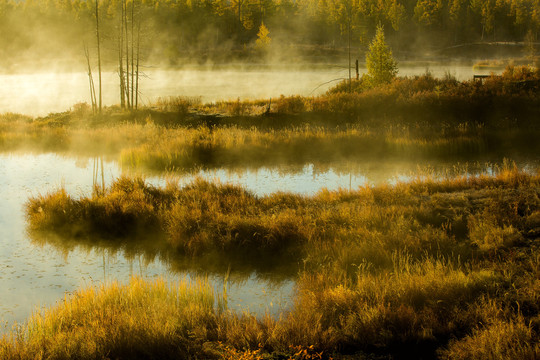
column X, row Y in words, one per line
column 137, row 68
column 349, row 29
column 132, row 49
column 121, row 60
column 99, row 55
column 127, row 57
column 91, row 81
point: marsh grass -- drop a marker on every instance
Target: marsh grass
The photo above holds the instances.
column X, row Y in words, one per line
column 177, row 104
column 420, row 117
column 139, row 320
column 128, row 205
column 188, row 149
column 413, row 307
column 153, row 147
column 203, row 215
column 437, row 267
column 501, row 336
column 444, row 265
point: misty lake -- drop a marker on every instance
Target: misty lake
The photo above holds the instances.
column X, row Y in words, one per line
column 38, row 94
column 35, row 273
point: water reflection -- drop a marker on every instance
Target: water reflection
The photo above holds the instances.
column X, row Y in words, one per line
column 148, row 249
column 249, row 287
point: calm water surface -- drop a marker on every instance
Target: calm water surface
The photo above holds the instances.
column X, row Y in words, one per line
column 43, row 93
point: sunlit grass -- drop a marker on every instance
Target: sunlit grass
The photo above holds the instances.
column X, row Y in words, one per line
column 138, row 320
column 420, row 117
column 203, row 216
column 152, row 147
column 443, row 265
column 433, row 267
column 500, row 336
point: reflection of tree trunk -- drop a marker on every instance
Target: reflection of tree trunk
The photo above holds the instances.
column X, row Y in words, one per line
column 102, row 176
column 482, row 32
column 98, row 162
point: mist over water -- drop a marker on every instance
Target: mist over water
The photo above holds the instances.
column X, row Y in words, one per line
column 41, row 93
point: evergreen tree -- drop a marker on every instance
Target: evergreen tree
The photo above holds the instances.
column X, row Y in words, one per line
column 380, row 63
column 263, row 40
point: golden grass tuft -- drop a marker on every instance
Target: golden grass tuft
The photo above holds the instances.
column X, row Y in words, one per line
column 139, row 320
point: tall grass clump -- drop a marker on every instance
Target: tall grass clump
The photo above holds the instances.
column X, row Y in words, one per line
column 225, row 217
column 177, row 104
column 414, row 305
column 127, row 206
column 139, row 320
column 498, row 337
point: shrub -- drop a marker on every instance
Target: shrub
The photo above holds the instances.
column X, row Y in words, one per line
column 290, row 104
column 177, row 104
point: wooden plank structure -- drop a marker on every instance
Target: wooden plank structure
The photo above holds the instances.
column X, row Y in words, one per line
column 480, row 77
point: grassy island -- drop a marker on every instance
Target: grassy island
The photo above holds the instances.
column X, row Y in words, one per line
column 433, row 268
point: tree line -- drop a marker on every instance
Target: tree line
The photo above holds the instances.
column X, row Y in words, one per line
column 176, row 28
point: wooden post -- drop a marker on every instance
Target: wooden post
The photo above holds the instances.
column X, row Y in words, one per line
column 357, row 73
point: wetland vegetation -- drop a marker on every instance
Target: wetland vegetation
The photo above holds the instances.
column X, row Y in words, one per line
column 434, row 267
column 428, row 268
column 419, row 117
column 440, row 266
